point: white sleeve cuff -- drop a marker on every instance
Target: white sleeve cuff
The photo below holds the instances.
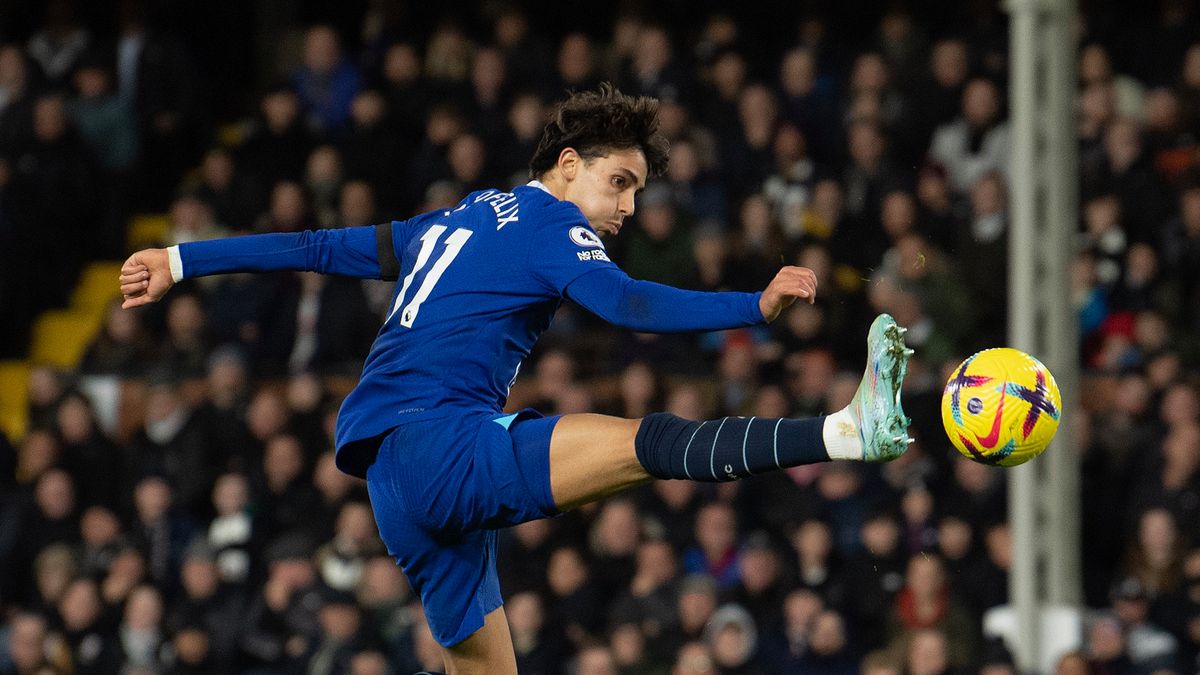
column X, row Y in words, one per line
column 176, row 263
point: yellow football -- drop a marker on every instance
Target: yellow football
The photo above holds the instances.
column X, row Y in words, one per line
column 1001, row 407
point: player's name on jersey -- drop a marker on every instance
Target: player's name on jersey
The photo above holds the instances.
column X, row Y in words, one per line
column 503, row 203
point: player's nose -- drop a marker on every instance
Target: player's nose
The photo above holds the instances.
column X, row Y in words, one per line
column 626, row 206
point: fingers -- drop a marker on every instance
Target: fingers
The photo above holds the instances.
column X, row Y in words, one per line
column 136, row 301
column 134, row 281
column 799, row 282
column 135, row 288
column 133, row 276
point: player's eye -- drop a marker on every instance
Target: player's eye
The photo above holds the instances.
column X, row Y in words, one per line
column 619, row 182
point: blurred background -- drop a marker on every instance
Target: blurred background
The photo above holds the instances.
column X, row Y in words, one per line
column 168, row 499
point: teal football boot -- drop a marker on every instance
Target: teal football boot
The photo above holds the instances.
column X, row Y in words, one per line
column 882, row 424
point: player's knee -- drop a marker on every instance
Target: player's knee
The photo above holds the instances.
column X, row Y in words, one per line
column 656, row 436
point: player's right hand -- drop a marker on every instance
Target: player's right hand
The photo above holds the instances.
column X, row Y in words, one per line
column 145, row 277
column 788, row 285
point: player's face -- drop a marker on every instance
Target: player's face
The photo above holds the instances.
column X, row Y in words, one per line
column 604, row 188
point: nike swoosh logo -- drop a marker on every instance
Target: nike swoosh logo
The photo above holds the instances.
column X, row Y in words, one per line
column 989, row 441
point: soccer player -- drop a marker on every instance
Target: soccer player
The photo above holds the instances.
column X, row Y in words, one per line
column 445, row 468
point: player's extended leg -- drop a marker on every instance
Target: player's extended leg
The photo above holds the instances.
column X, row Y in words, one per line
column 488, row 650
column 593, row 456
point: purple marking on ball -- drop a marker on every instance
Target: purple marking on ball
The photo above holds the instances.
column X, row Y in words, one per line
column 974, row 406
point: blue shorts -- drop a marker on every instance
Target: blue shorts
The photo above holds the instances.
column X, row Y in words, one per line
column 440, row 488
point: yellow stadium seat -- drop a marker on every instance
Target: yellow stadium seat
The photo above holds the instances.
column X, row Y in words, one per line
column 14, row 398
column 147, row 230
column 96, row 287
column 60, row 337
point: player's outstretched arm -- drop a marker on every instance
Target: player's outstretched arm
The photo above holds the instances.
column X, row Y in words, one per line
column 145, row 277
column 361, row 252
column 655, row 308
column 790, row 284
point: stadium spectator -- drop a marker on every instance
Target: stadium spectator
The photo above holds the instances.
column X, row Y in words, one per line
column 234, row 196
column 1148, row 646
column 829, row 651
column 172, row 443
column 660, row 248
column 327, row 81
column 977, row 142
column 538, row 649
column 809, row 102
column 489, row 96
column 928, row 654
column 87, row 452
column 281, row 619
column 575, row 67
column 60, row 43
column 100, row 538
column 104, row 117
column 649, row 599
column 733, row 639
column 817, row 566
column 575, row 598
column 374, row 151
column 385, row 597
column 629, row 650
column 140, row 633
column 92, row 643
column 784, row 648
column 27, row 648
column 924, row 604
column 341, row 635
column 868, row 603
column 717, row 551
column 209, row 604
column 322, row 182
column 54, row 569
column 746, row 146
column 185, row 349
column 63, row 188
column 696, row 602
column 526, row 54
column 762, row 582
column 959, row 548
column 277, row 146
column 230, row 537
column 342, row 559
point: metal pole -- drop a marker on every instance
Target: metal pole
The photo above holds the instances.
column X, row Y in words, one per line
column 1061, row 344
column 1023, row 577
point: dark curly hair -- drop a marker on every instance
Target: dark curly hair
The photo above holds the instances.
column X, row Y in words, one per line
column 598, row 122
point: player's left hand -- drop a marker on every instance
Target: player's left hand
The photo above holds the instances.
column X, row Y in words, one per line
column 788, row 285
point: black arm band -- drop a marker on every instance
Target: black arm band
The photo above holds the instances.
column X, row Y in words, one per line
column 389, row 266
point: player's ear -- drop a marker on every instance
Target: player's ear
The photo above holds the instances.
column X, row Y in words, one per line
column 569, row 162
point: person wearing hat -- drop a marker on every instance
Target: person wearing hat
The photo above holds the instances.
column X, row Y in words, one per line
column 733, row 638
column 1150, row 648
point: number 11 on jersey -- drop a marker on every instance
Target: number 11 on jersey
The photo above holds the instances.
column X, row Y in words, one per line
column 454, row 244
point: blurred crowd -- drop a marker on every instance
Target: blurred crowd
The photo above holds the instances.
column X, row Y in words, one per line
column 175, row 508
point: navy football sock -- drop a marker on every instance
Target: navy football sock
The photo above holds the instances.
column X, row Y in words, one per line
column 728, row 448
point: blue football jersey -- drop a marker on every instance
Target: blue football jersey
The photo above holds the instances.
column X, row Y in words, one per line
column 479, row 285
